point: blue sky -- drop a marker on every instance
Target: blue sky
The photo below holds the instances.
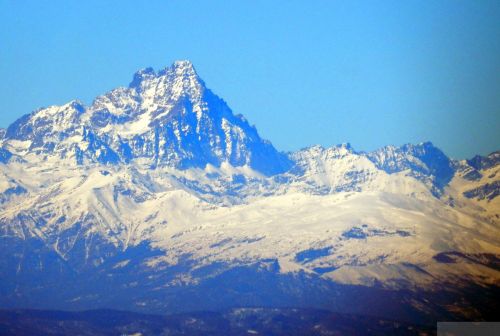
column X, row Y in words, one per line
column 370, row 73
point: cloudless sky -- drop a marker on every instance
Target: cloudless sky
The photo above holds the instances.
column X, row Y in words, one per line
column 370, row 73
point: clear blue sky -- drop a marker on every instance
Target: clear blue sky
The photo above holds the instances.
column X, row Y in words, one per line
column 304, row 72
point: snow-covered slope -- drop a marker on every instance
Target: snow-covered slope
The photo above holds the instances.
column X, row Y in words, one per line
column 162, row 183
column 476, row 186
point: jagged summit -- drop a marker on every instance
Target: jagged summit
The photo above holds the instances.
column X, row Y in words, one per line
column 184, row 67
column 180, row 72
column 170, row 118
column 424, row 161
column 167, row 117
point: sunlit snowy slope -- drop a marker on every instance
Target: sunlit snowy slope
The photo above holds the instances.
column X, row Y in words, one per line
column 156, row 197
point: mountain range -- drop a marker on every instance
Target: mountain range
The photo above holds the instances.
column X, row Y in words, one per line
column 157, row 198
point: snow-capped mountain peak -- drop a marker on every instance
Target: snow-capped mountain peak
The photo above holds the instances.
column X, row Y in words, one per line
column 167, row 117
column 169, row 84
column 424, row 161
column 184, row 68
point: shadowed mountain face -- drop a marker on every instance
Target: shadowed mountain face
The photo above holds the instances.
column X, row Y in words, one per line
column 167, row 118
column 425, row 161
column 485, row 162
column 156, row 198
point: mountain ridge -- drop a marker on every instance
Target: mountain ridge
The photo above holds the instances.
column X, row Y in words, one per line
column 162, row 192
column 121, row 106
column 168, row 117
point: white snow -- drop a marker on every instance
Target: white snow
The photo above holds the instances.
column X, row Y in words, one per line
column 236, row 215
